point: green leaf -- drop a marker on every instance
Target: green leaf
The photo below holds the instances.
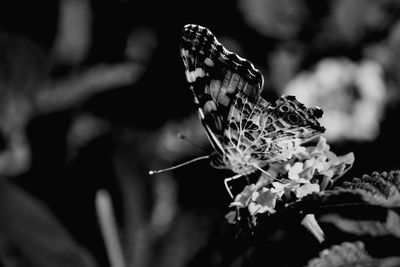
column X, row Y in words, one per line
column 378, row 188
column 391, row 226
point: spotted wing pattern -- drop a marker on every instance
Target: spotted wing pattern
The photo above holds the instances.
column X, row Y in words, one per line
column 246, row 131
column 215, row 76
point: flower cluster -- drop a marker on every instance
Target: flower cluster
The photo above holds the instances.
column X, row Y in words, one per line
column 353, row 96
column 311, row 169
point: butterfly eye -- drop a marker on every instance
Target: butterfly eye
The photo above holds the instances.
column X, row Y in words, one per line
column 284, row 108
column 293, row 118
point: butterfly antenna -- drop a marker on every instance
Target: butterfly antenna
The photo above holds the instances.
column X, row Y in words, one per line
column 179, row 165
column 185, row 138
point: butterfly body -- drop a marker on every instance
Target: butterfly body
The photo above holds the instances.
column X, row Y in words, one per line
column 246, row 131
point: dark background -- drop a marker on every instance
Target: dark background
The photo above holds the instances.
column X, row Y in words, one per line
column 143, row 117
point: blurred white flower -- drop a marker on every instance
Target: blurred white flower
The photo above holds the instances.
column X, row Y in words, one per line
column 353, row 97
column 281, row 19
column 84, row 129
column 142, row 42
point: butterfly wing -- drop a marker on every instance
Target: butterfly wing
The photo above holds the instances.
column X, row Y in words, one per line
column 288, row 124
column 215, row 76
column 244, row 129
column 266, row 132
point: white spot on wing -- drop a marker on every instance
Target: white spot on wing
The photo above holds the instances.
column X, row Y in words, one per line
column 191, row 76
column 209, row 62
column 201, row 114
column 209, row 106
column 184, row 52
column 199, row 72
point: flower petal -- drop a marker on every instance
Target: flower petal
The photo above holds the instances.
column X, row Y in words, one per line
column 306, row 189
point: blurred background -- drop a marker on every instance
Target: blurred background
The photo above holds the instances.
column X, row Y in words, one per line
column 93, row 96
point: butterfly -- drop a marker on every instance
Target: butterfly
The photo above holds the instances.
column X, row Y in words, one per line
column 246, row 131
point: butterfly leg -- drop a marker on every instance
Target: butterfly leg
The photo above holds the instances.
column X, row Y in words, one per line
column 227, row 180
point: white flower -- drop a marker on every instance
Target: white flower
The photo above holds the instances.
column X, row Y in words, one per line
column 352, row 96
column 256, row 198
column 310, row 170
column 306, row 189
column 263, row 201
